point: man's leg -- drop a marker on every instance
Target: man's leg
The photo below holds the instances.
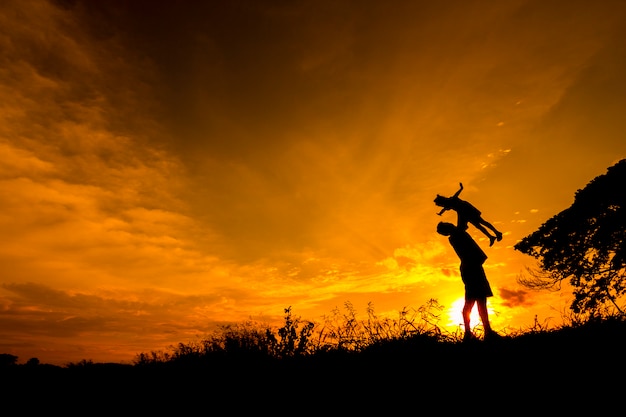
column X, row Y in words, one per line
column 484, row 317
column 467, row 311
column 484, row 314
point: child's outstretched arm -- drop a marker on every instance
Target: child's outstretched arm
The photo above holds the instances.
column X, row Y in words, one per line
column 458, row 192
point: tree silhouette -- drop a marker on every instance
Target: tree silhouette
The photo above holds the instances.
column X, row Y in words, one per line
column 7, row 359
column 585, row 244
column 33, row 362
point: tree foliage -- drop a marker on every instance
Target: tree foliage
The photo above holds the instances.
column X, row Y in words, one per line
column 585, row 245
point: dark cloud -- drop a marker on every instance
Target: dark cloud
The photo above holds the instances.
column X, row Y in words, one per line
column 448, row 272
column 40, row 309
column 515, row 298
column 225, row 72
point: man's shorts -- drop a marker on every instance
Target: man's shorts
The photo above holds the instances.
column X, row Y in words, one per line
column 475, row 280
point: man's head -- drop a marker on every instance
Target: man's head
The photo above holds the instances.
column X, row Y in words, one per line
column 445, row 228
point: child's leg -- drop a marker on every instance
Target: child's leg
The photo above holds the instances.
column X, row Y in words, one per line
column 490, row 226
column 480, row 227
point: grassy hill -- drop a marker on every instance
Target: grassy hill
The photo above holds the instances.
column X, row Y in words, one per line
column 578, row 368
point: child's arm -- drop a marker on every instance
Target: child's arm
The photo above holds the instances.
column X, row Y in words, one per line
column 458, row 192
column 443, row 210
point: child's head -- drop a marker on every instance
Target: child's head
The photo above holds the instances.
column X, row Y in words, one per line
column 441, row 201
column 445, row 228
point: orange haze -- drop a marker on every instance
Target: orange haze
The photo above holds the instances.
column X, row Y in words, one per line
column 167, row 167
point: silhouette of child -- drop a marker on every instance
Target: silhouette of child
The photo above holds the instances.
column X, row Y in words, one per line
column 467, row 213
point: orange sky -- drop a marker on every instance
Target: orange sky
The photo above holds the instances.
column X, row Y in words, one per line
column 168, row 166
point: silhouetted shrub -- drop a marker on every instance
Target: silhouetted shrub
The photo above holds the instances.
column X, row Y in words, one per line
column 32, row 362
column 301, row 338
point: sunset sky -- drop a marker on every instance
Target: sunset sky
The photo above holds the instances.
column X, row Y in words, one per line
column 170, row 166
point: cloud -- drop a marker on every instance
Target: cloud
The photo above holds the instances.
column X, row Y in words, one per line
column 147, row 319
column 86, row 189
column 514, row 298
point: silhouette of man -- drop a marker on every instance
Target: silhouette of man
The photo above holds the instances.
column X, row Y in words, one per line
column 477, row 288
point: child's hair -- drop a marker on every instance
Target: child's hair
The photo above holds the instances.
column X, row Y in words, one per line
column 440, row 200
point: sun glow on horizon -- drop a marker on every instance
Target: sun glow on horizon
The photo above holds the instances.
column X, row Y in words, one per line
column 455, row 315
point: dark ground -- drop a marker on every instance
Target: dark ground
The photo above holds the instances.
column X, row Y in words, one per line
column 572, row 371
